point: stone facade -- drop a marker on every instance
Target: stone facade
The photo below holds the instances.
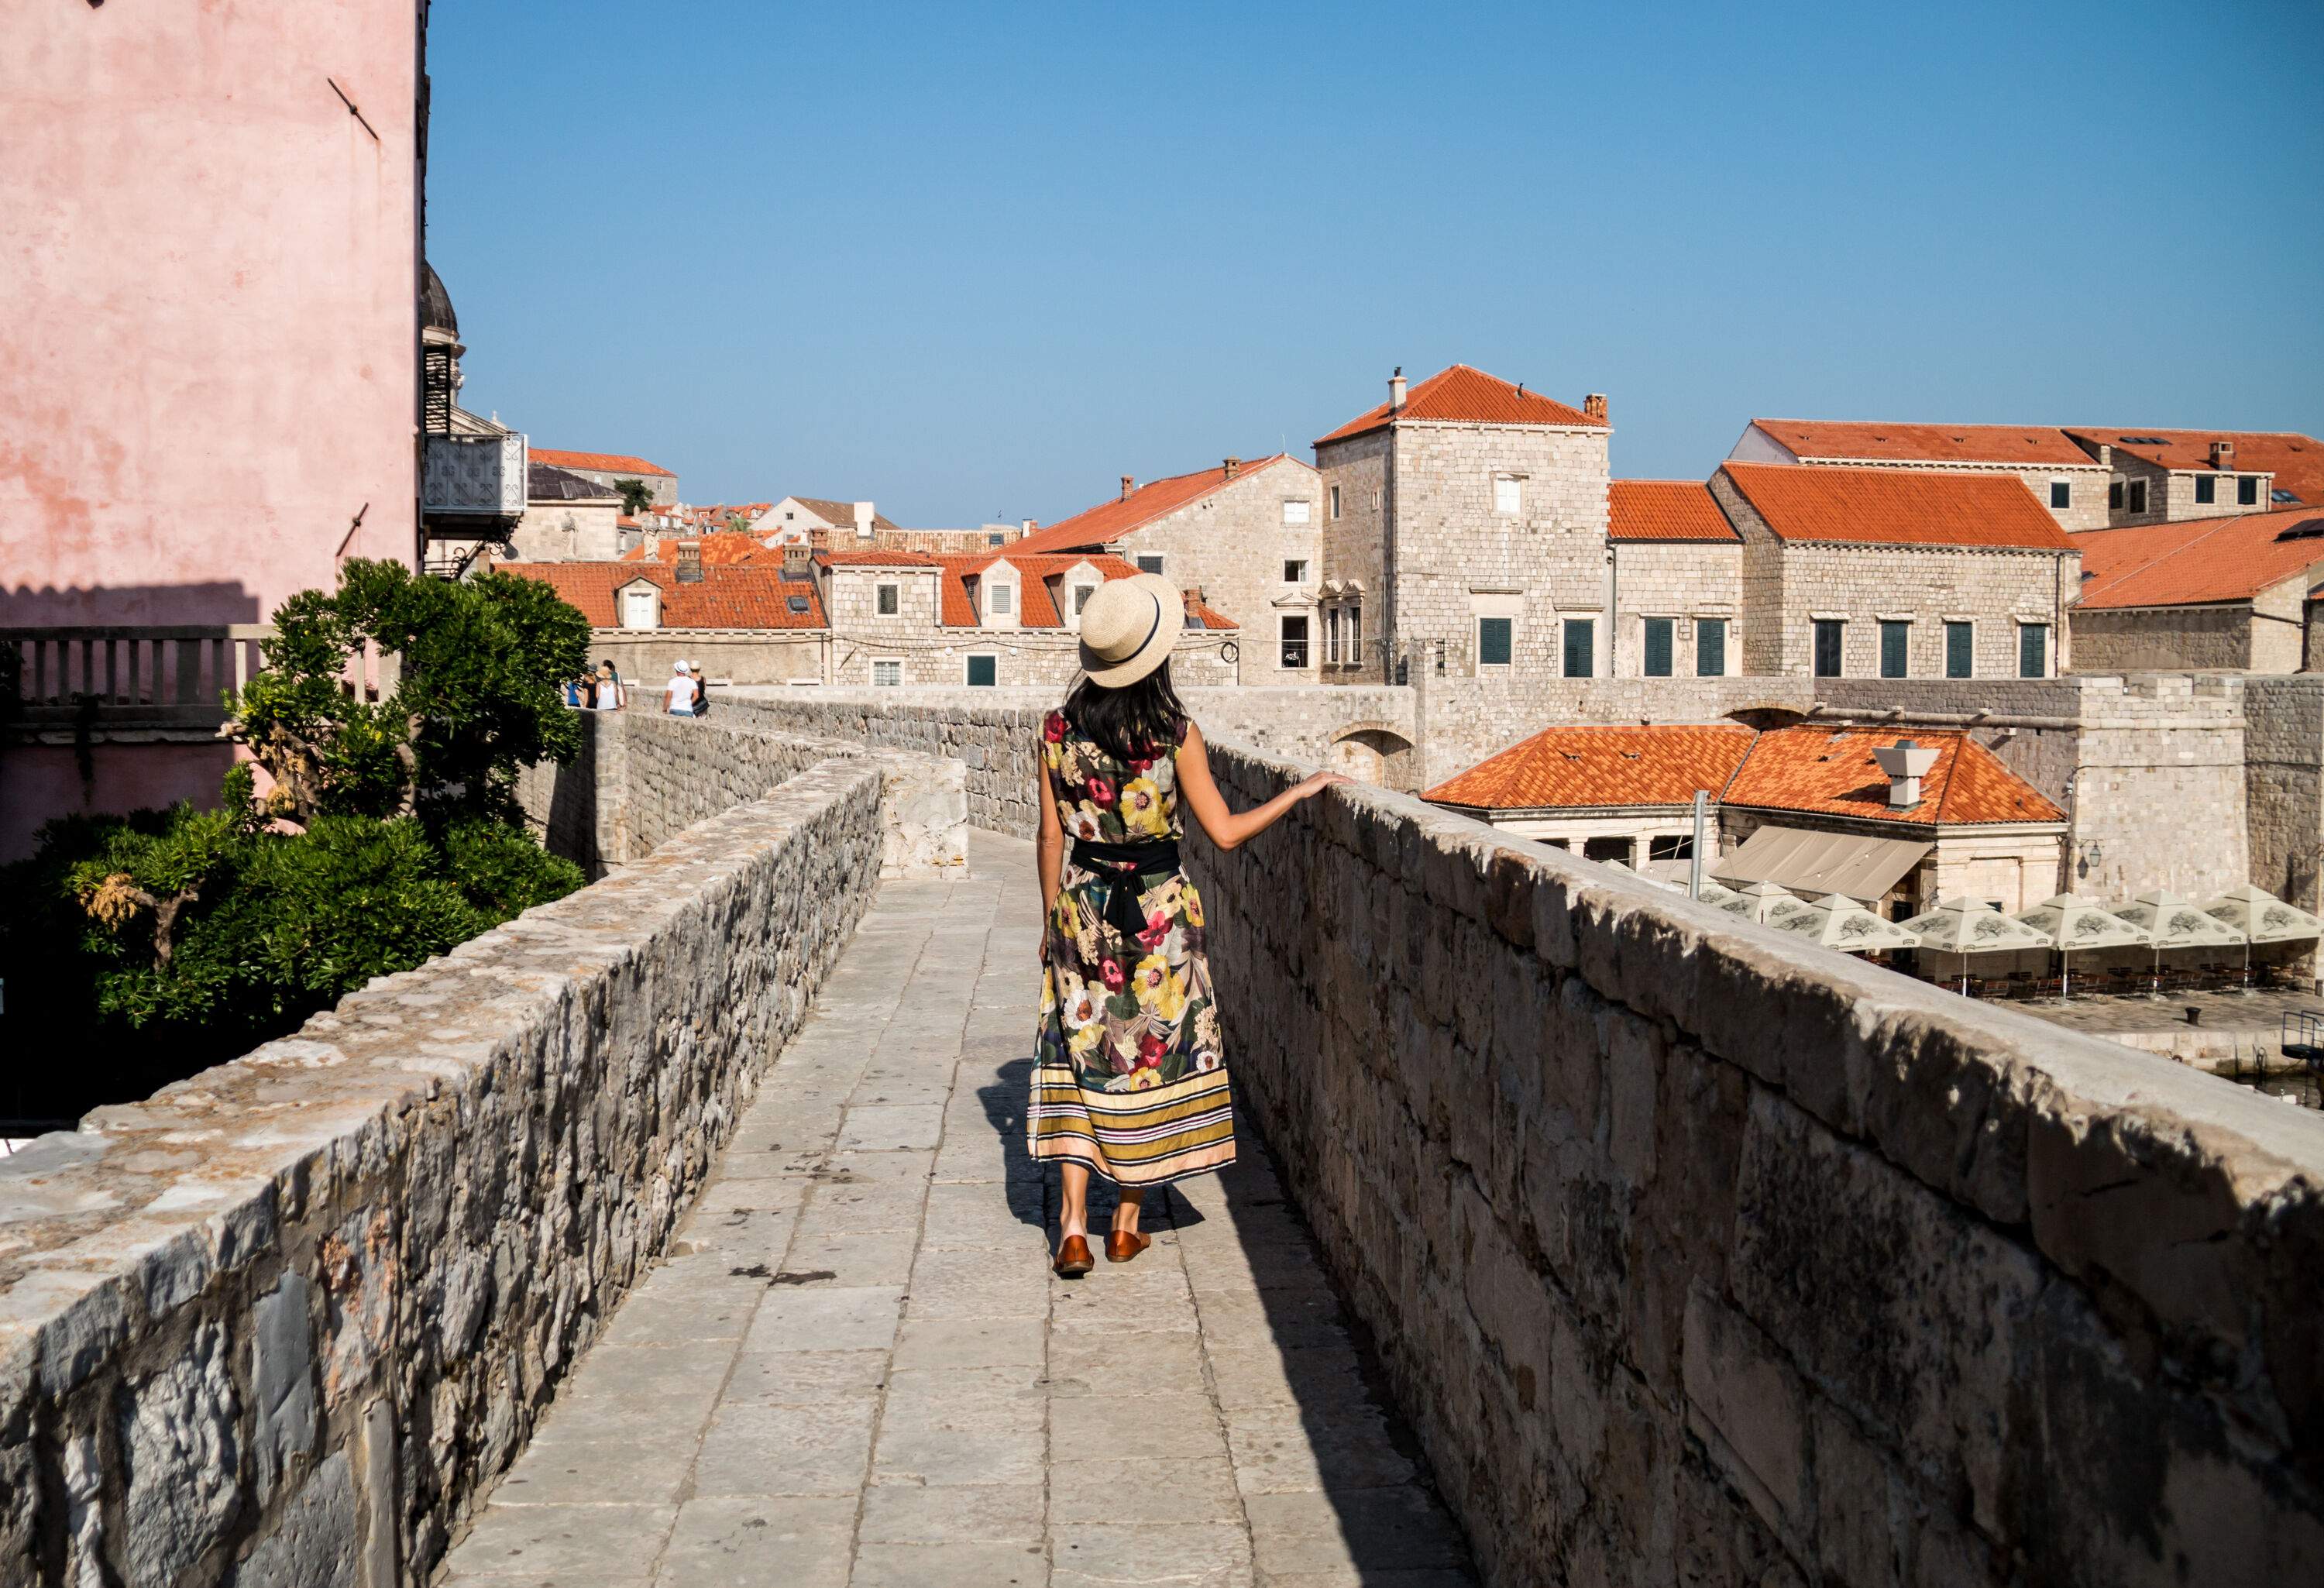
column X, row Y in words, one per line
column 1356, row 485
column 1787, row 585
column 568, row 532
column 741, row 656
column 1699, row 1256
column 282, row 1324
column 1686, row 581
column 2266, row 635
column 2283, row 780
column 2086, row 482
column 1448, row 555
column 2170, row 492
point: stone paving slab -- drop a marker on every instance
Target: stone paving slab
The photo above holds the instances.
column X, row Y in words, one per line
column 856, row 1370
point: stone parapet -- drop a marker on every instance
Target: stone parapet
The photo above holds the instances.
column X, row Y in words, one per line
column 282, row 1324
column 1696, row 1254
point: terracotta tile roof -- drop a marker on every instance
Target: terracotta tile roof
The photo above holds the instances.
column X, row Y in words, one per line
column 720, row 548
column 1829, row 771
column 1810, row 769
column 1463, row 395
column 1040, row 610
column 1896, row 507
column 728, row 597
column 2297, row 461
column 545, row 482
column 1589, row 766
column 873, row 557
column 2026, row 445
column 2198, row 560
column 1664, row 510
column 620, row 463
column 842, row 513
column 1110, row 521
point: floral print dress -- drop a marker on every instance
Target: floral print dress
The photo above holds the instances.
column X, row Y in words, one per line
column 1129, row 1078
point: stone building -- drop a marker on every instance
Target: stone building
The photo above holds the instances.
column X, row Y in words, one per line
column 2164, row 476
column 1246, row 538
column 1465, row 524
column 1677, row 575
column 831, row 523
column 2207, row 593
column 755, row 624
column 2064, row 476
column 1807, row 807
column 987, row 621
column 609, row 469
column 1891, row 573
column 569, row 517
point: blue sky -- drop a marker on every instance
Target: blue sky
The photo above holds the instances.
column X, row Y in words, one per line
column 976, row 261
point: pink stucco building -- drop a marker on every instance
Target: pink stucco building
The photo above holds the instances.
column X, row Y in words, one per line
column 209, row 361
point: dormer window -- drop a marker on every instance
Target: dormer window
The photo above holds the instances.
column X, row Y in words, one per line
column 1001, row 600
column 641, row 606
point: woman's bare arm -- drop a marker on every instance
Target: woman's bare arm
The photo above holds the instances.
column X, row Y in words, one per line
column 1049, row 848
column 1229, row 829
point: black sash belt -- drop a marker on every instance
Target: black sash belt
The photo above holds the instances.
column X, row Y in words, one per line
column 1121, row 865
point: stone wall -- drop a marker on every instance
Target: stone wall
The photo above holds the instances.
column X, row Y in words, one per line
column 1687, row 581
column 2268, row 634
column 1355, row 545
column 282, row 1324
column 2283, row 782
column 738, row 656
column 1697, row 1255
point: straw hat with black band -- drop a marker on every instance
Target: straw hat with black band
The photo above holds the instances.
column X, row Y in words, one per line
column 1128, row 629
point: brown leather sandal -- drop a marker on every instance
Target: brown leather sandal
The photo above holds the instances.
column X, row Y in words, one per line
column 1123, row 1244
column 1073, row 1258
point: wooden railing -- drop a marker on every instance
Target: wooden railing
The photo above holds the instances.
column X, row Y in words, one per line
column 168, row 676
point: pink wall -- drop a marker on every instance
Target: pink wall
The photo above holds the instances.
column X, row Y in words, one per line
column 208, row 353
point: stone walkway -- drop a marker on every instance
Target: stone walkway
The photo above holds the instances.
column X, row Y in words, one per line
column 855, row 1368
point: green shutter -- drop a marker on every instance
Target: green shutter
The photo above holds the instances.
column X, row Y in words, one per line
column 982, row 672
column 1895, row 640
column 1580, row 658
column 2033, row 651
column 1494, row 640
column 1960, row 650
column 1658, row 647
column 1710, row 648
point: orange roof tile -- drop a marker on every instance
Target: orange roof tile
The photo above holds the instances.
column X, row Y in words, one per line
column 1039, row 609
column 2197, row 560
column 1810, row 769
column 1589, row 767
column 1664, row 510
column 2028, row 445
column 1896, row 507
column 1829, row 771
column 1463, row 395
column 875, row 556
column 727, row 597
column 603, row 462
column 720, row 549
column 1110, row 521
column 2297, row 461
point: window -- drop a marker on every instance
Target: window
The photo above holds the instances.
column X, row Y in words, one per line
column 2206, row 487
column 1295, row 570
column 1082, row 594
column 1827, row 647
column 1509, row 495
column 1149, row 562
column 1710, row 648
column 983, row 671
column 999, row 600
column 2247, row 491
column 2033, row 651
column 638, row 609
column 2138, row 495
column 887, row 674
column 1671, row 846
column 2114, row 496
column 2062, row 494
column 1604, row 849
column 1960, row 650
column 1658, row 647
column 996, row 539
column 1495, row 639
column 1896, row 647
column 797, row 603
column 1352, row 648
column 1335, row 502
column 1581, row 648
column 1295, row 639
column 1299, row 513
column 888, row 599
column 1331, row 637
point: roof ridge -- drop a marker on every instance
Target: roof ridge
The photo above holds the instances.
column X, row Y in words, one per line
column 2204, row 529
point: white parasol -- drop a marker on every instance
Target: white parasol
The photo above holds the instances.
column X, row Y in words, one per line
column 1972, row 925
column 2174, row 921
column 2076, row 922
column 2261, row 918
column 1764, row 901
column 1845, row 924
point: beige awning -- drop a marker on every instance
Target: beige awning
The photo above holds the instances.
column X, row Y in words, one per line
column 1806, row 862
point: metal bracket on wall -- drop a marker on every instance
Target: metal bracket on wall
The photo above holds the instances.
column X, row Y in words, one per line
column 350, row 104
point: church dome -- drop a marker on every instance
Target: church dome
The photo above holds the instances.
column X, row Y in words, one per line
column 436, row 307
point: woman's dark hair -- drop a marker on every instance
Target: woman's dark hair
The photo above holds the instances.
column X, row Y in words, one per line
column 1135, row 721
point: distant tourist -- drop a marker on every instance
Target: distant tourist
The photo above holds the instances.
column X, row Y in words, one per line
column 1140, row 1097
column 677, row 695
column 609, row 687
column 701, row 688
column 580, row 689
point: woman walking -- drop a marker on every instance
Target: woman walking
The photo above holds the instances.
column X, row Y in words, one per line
column 1130, row 1080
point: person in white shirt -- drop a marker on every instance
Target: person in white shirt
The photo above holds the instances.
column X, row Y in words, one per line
column 678, row 695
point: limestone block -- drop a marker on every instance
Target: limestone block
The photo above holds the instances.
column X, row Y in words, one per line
column 182, row 1459
column 281, row 1381
column 313, row 1544
column 1754, row 1409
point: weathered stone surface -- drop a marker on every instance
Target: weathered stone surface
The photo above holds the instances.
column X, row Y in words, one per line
column 313, row 1545
column 181, row 1460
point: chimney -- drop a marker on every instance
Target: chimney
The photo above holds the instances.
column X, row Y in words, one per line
column 1907, row 764
column 1192, row 597
column 1129, row 483
column 1234, row 466
column 1594, row 405
column 2223, row 455
column 797, row 555
column 864, row 516
column 690, row 562
column 1029, row 526
column 1396, row 390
